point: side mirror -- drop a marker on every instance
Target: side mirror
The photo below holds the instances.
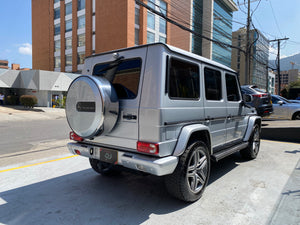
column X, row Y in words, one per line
column 280, row 102
column 247, row 98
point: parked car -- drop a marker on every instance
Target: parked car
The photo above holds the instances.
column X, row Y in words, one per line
column 160, row 110
column 284, row 109
column 294, row 101
column 260, row 99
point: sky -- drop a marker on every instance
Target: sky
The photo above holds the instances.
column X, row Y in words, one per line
column 274, row 18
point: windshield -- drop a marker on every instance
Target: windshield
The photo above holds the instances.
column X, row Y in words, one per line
column 124, row 75
column 284, row 99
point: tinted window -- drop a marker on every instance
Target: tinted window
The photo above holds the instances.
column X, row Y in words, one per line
column 68, row 8
column 213, row 84
column 81, row 4
column 126, row 76
column 232, row 88
column 183, row 80
column 56, row 13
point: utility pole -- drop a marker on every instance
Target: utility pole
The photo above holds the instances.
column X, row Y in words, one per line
column 248, row 50
column 278, row 61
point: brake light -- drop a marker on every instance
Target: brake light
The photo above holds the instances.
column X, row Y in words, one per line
column 151, row 148
column 260, row 95
column 75, row 137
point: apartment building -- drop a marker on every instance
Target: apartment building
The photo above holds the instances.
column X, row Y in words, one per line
column 258, row 60
column 64, row 32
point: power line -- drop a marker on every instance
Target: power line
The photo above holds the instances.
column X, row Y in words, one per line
column 139, row 2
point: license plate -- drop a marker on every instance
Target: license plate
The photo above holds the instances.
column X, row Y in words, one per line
column 108, row 156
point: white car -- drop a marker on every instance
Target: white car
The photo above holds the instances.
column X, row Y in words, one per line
column 284, row 109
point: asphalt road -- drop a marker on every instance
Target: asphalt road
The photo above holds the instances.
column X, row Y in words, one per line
column 23, row 135
column 68, row 191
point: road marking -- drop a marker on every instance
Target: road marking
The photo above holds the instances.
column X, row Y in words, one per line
column 35, row 164
column 283, row 142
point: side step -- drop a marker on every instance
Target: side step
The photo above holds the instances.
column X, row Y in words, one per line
column 228, row 151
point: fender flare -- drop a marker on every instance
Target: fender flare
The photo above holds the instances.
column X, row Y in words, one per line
column 185, row 135
column 251, row 122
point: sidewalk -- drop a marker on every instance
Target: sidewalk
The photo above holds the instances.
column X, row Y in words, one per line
column 16, row 113
column 281, row 130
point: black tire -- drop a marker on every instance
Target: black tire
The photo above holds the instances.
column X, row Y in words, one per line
column 296, row 116
column 252, row 149
column 191, row 175
column 103, row 168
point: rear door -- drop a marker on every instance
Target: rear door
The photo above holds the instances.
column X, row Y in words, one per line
column 214, row 105
column 236, row 122
column 126, row 81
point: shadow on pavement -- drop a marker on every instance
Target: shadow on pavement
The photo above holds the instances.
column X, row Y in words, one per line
column 88, row 198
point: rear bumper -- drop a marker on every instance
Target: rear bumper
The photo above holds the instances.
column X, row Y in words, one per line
column 148, row 164
column 264, row 111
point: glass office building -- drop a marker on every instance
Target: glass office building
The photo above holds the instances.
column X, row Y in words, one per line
column 219, row 29
column 222, row 31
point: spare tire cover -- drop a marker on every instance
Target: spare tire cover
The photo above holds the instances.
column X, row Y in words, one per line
column 92, row 106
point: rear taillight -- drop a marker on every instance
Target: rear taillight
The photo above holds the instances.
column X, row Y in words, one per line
column 260, row 95
column 75, row 137
column 145, row 147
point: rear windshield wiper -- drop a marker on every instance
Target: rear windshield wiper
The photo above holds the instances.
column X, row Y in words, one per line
column 111, row 65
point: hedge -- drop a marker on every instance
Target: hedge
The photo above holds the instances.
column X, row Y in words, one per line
column 28, row 100
column 11, row 100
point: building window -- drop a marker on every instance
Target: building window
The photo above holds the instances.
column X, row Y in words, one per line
column 80, row 57
column 137, row 26
column 69, row 43
column 57, row 29
column 81, row 4
column 55, row 1
column 69, row 8
column 151, row 21
column 57, row 13
column 69, row 60
column 155, row 24
column 81, row 21
column 137, row 16
column 57, row 62
column 162, row 39
column 81, row 40
column 57, row 45
column 68, row 25
column 150, row 37
column 162, row 25
column 136, row 36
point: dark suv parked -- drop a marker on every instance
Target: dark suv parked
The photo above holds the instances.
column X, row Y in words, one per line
column 260, row 99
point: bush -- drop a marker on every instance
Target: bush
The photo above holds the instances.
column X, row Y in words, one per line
column 11, row 100
column 28, row 100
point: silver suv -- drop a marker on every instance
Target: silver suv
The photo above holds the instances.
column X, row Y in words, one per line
column 160, row 110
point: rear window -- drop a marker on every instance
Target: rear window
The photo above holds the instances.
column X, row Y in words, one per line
column 125, row 74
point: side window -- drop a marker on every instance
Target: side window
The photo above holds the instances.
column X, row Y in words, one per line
column 183, row 80
column 213, row 84
column 232, row 88
column 126, row 76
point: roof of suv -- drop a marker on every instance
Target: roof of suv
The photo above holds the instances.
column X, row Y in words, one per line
column 173, row 49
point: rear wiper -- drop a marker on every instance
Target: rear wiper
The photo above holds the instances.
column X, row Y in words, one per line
column 111, row 66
